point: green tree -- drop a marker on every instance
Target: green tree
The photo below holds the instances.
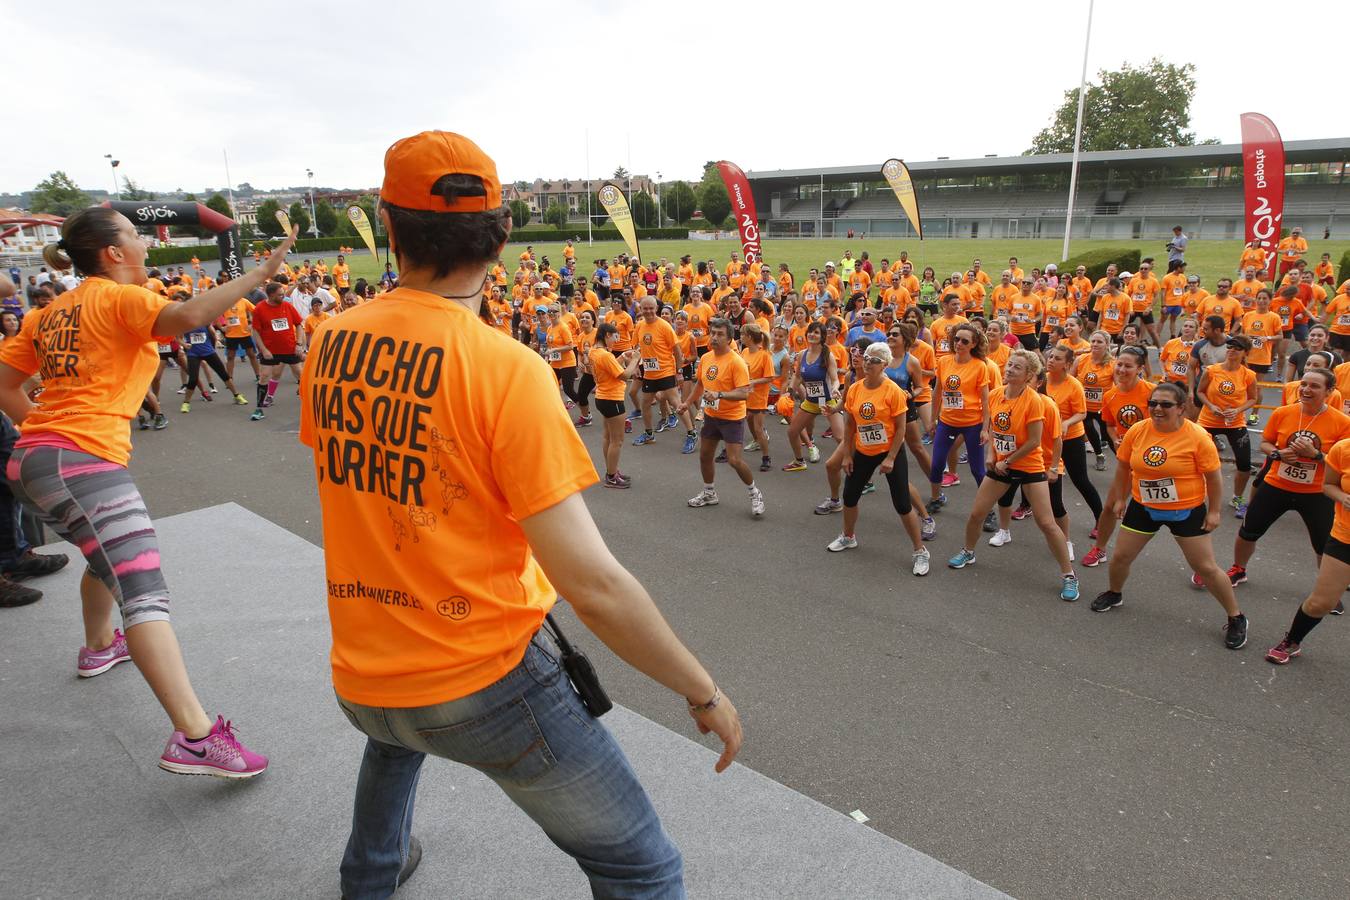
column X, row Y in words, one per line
column 620, row 172
column 1129, row 109
column 299, row 217
column 267, row 218
column 58, row 195
column 556, row 214
column 520, row 214
column 678, row 201
column 327, row 217
column 644, row 210
column 133, row 191
column 218, row 203
column 712, row 195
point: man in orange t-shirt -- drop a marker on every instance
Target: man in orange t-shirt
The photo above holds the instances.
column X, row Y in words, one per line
column 453, row 519
column 1291, row 250
column 723, row 388
column 660, row 368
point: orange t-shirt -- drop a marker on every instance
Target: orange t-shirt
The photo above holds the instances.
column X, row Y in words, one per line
column 859, row 282
column 1121, row 409
column 656, row 342
column 797, row 338
column 1096, row 380
column 1071, row 400
column 424, row 471
column 998, row 355
column 727, row 372
column 700, row 314
column 1057, row 309
column 1142, row 291
column 314, row 320
column 1228, row 308
column 624, row 322
column 923, row 352
column 1339, row 459
column 1010, row 426
column 1054, row 424
column 1002, row 297
column 607, row 372
column 1253, row 258
column 237, row 320
column 1289, row 394
column 1175, row 357
column 1263, row 329
column 877, row 413
column 1326, row 429
column 560, row 336
column 759, row 363
column 1337, row 312
column 1174, row 288
column 1226, row 390
column 1167, row 469
column 1246, row 291
column 94, row 347
column 1191, row 300
column 939, row 327
column 1289, row 311
column 1114, row 312
column 960, row 385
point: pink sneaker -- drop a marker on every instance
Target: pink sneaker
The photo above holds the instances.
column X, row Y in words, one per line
column 950, row 479
column 96, row 662
column 1095, row 557
column 219, row 754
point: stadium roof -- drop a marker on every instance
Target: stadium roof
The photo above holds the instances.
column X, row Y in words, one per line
column 1321, row 150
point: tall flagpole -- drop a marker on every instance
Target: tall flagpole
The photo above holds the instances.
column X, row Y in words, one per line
column 229, row 185
column 1077, row 137
column 589, row 240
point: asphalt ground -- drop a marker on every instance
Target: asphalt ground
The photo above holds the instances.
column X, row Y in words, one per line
column 1044, row 749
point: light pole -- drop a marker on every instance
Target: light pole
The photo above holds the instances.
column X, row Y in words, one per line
column 117, row 194
column 660, row 223
column 313, row 216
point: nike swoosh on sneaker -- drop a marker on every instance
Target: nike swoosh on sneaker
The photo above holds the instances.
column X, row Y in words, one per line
column 200, row 754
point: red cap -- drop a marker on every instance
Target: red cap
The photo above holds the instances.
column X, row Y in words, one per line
column 413, row 165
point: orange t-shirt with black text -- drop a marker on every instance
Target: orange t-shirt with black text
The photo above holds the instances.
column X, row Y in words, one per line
column 1010, row 426
column 1227, row 390
column 560, row 336
column 95, row 349
column 878, row 415
column 425, row 469
column 723, row 373
column 1121, row 409
column 1096, row 379
column 656, row 343
column 1263, row 329
column 1339, row 459
column 959, row 385
column 1325, row 430
column 1167, row 468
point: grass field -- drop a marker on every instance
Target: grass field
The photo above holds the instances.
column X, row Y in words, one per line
column 1208, row 259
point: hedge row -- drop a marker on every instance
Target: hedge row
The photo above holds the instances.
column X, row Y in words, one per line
column 1096, row 261
column 166, row 256
column 1344, row 270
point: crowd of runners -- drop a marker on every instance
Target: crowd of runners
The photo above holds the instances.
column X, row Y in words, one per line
column 1025, row 376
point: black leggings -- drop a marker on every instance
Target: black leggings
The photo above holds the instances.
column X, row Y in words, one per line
column 1028, row 341
column 897, row 478
column 584, row 388
column 1097, row 434
column 1057, row 509
column 1269, row 503
column 1074, row 455
column 567, row 377
column 194, row 364
column 1240, row 441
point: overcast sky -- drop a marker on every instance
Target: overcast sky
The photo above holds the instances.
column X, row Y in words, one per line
column 151, row 84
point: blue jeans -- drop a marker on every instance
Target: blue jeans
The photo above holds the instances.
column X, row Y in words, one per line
column 531, row 735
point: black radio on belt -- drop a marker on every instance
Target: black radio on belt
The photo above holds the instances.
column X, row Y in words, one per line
column 580, row 672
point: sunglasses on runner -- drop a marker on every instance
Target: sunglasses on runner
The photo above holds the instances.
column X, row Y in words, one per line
column 963, row 340
column 895, row 334
column 1163, row 404
column 874, row 359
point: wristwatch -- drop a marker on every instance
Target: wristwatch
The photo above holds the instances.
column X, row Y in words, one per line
column 711, row 704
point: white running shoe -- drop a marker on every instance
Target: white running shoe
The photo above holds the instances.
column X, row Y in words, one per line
column 705, row 497
column 1000, row 537
column 921, row 562
column 843, row 542
column 757, row 503
column 813, row 454
column 751, row 447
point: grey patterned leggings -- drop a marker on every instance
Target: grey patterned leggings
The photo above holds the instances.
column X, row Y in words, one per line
column 93, row 504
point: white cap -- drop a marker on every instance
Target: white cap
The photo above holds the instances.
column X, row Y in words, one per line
column 1123, row 275
column 830, row 264
column 1051, row 267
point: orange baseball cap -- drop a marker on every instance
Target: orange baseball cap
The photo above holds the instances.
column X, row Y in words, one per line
column 413, row 165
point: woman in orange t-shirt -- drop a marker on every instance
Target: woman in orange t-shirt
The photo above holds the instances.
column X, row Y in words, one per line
column 1073, row 336
column 873, row 441
column 612, row 375
column 1169, row 475
column 1095, row 370
column 1294, row 444
column 1123, row 406
column 1175, row 355
column 1058, row 309
column 962, row 390
column 760, row 364
column 1333, row 571
column 1227, row 390
column 586, row 338
column 797, row 331
column 70, row 465
column 1071, row 402
column 1015, row 458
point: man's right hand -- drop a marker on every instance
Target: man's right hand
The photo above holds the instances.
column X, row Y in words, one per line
column 723, row 721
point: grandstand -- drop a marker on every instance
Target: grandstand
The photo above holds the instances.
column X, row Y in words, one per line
column 1121, row 194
